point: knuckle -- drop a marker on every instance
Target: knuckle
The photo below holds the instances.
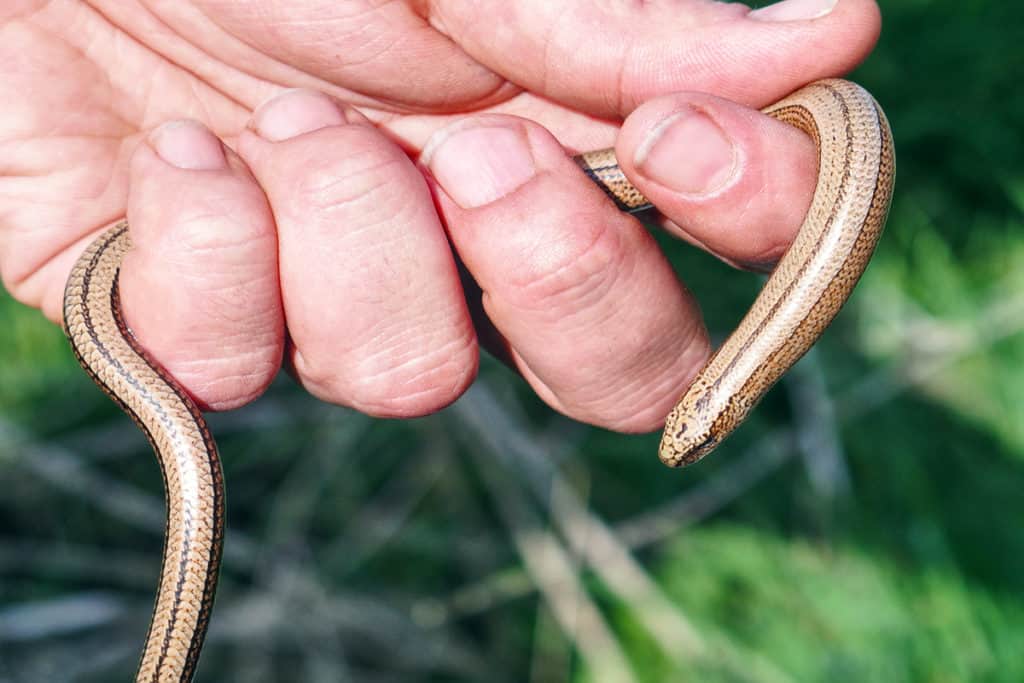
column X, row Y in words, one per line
column 365, row 184
column 396, row 382
column 229, row 374
column 218, row 230
column 633, row 387
column 571, row 274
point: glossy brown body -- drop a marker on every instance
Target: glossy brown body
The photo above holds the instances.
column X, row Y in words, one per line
column 801, row 297
column 193, row 484
column 856, row 165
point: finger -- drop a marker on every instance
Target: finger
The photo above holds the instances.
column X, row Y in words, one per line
column 608, row 57
column 730, row 179
column 371, row 291
column 592, row 314
column 389, row 51
column 200, row 287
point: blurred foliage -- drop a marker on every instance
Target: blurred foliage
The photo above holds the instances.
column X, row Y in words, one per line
column 863, row 526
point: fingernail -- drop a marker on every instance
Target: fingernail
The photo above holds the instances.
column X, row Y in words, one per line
column 188, row 144
column 794, row 10
column 295, row 112
column 689, row 153
column 477, row 164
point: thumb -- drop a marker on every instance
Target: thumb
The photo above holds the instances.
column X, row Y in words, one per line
column 608, row 57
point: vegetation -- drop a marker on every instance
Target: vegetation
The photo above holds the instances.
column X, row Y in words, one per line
column 865, row 525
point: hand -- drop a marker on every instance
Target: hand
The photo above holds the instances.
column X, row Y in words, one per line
column 311, row 211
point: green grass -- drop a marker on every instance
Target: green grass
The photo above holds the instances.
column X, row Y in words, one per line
column 864, row 525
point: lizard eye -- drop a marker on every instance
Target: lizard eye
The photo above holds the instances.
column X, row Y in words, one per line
column 705, row 445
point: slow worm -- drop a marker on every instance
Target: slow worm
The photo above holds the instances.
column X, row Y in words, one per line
column 856, row 166
column 184, row 447
column 797, row 303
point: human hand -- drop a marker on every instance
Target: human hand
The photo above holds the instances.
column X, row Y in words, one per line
column 315, row 214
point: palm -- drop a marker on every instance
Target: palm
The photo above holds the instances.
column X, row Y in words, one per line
column 95, row 89
column 89, row 79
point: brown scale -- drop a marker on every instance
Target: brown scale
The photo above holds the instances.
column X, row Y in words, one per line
column 812, row 280
column 186, row 452
column 799, row 300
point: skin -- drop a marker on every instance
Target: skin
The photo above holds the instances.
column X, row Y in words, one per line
column 417, row 141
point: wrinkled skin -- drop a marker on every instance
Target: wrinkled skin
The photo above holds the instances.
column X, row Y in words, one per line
column 312, row 234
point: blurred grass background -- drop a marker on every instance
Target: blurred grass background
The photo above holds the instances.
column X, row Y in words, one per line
column 864, row 525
